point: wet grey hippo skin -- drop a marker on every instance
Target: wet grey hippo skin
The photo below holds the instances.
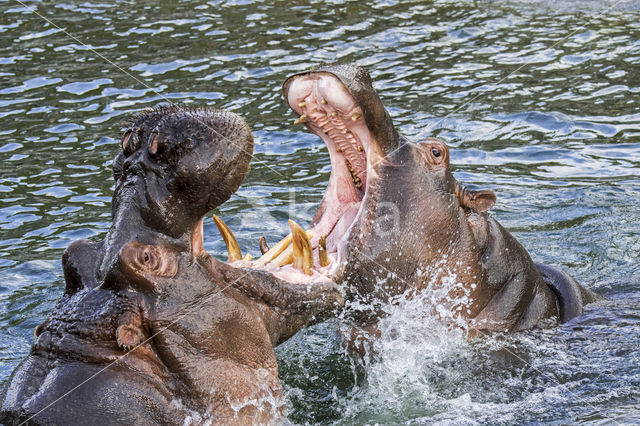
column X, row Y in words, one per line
column 201, row 332
column 396, row 218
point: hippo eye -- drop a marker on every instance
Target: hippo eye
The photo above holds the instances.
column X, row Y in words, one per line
column 435, row 152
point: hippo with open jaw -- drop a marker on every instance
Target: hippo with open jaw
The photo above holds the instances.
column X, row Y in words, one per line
column 151, row 329
column 395, row 220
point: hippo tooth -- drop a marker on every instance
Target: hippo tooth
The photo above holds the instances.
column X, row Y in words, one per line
column 302, row 104
column 264, row 247
column 322, row 251
column 301, row 119
column 247, row 257
column 230, row 241
column 354, row 176
column 302, row 252
column 323, row 102
column 355, row 116
column 274, row 251
column 286, row 257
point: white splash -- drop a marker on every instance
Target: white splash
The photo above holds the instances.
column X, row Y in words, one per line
column 418, row 335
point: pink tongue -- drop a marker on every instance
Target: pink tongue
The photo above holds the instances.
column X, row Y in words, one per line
column 342, row 226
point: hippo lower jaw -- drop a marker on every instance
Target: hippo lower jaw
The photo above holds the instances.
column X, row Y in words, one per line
column 328, row 109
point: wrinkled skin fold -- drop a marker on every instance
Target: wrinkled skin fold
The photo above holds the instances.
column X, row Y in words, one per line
column 151, row 329
column 398, row 222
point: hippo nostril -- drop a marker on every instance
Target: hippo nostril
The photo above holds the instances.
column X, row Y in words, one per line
column 125, row 139
column 131, row 141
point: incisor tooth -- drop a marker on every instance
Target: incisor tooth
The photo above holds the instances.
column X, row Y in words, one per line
column 355, row 116
column 302, row 104
column 230, row 241
column 264, row 247
column 301, row 119
column 322, row 251
column 247, row 257
column 302, row 252
column 285, row 258
column 323, row 102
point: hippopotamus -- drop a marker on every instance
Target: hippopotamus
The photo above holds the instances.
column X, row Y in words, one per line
column 396, row 222
column 151, row 329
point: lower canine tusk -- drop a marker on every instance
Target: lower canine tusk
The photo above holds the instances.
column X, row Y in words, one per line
column 232, row 245
column 286, row 256
column 302, row 252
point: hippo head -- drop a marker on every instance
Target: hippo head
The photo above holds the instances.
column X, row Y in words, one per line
column 177, row 164
column 174, row 166
column 392, row 208
column 339, row 104
column 148, row 317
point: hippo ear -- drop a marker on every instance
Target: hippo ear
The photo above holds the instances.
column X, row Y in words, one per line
column 141, row 267
column 129, row 333
column 480, row 201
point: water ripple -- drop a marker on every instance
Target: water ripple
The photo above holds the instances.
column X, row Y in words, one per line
column 538, row 100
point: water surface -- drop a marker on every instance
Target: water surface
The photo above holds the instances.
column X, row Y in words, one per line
column 539, row 101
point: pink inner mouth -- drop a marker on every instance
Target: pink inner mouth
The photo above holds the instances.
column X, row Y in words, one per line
column 330, row 111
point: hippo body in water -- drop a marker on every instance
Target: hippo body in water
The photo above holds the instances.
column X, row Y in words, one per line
column 151, row 329
column 399, row 222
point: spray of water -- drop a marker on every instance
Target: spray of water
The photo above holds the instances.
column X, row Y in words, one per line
column 420, row 335
column 423, row 367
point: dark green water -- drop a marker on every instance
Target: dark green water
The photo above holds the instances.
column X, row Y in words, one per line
column 539, row 101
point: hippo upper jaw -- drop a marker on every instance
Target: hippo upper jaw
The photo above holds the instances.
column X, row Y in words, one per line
column 338, row 103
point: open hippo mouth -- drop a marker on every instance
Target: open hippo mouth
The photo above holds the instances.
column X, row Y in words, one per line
column 325, row 105
column 337, row 103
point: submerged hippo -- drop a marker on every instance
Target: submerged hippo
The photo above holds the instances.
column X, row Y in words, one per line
column 394, row 218
column 151, row 329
